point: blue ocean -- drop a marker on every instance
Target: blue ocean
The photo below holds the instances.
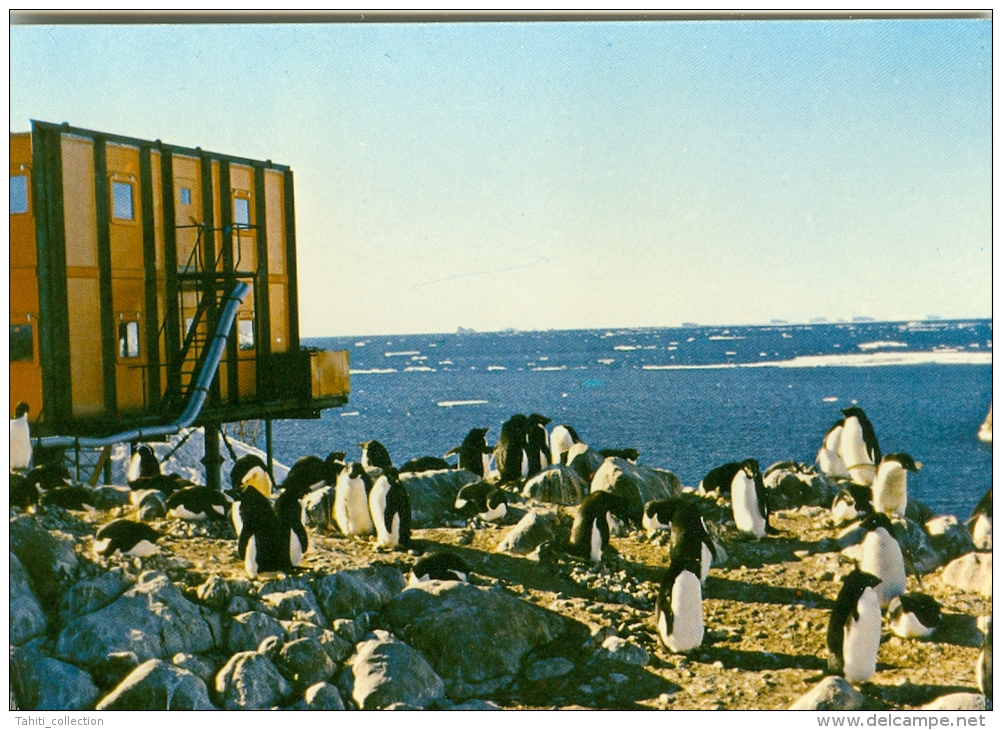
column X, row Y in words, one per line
column 687, row 398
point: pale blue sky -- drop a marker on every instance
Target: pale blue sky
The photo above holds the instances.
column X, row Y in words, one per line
column 569, row 175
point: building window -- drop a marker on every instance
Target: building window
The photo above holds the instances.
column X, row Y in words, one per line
column 241, row 212
column 121, row 196
column 185, row 196
column 22, row 343
column 245, row 334
column 18, row 193
column 128, row 339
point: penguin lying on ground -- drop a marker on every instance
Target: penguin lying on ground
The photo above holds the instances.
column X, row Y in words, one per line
column 854, row 628
column 144, row 473
column 23, row 493
column 913, row 615
column 537, row 450
column 509, row 453
column 439, row 566
column 858, row 446
column 390, row 508
column 197, row 503
column 374, row 454
column 750, row 500
column 49, row 476
column 483, row 500
column 980, row 523
column 68, row 497
column 592, row 523
column 829, row 461
column 134, row 539
column 562, row 438
column 351, row 501
column 424, row 463
column 20, row 438
column 474, row 454
column 678, row 610
column 882, row 557
column 890, row 485
column 852, row 502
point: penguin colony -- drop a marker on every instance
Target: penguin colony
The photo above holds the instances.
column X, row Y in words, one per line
column 367, row 498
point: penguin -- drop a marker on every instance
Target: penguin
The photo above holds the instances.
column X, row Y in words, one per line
column 374, row 454
column 197, row 503
column 882, row 557
column 590, row 531
column 290, row 510
column 980, row 523
column 49, row 476
column 829, row 461
column 913, row 615
column 630, row 454
column 690, row 536
column 749, row 500
column 678, row 610
column 424, row 463
column 719, row 479
column 483, row 500
column 890, row 485
column 68, row 497
column 144, row 473
column 390, row 509
column 23, row 493
column 260, row 544
column 537, row 450
column 509, row 452
column 983, row 672
column 439, row 566
column 858, row 446
column 20, row 438
column 854, row 628
column 351, row 501
column 562, row 438
column 852, row 502
column 243, row 465
column 474, row 453
column 311, row 472
column 657, row 515
column 134, row 539
column 255, row 479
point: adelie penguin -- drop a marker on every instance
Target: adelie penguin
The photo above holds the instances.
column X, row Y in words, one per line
column 750, row 500
column 390, row 508
column 881, row 556
column 718, row 480
column 913, row 615
column 858, row 446
column 854, row 628
column 243, row 465
column 423, row 463
column 144, row 473
column 374, row 454
column 890, row 485
column 562, row 438
column 852, row 502
column 474, row 453
column 483, row 500
column 592, row 523
column 439, row 566
column 23, row 493
column 688, row 530
column 678, row 610
column 509, row 452
column 290, row 509
column 257, row 480
column 68, row 497
column 829, row 461
column 197, row 503
column 20, row 439
column 537, row 451
column 980, row 523
column 351, row 501
column 260, row 546
column 134, row 539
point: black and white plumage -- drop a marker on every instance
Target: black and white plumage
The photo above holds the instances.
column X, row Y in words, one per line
column 20, row 438
column 858, row 446
column 144, row 473
column 23, row 493
column 750, row 500
column 890, row 485
column 689, row 536
column 290, row 509
column 474, row 453
column 718, row 479
column 852, row 502
column 537, row 450
column 256, row 479
column 134, row 539
column 49, row 476
column 913, row 615
column 509, row 452
column 351, row 501
column 657, row 515
column 68, row 497
column 260, row 545
column 854, row 628
column 983, row 671
column 197, row 503
column 980, row 523
column 678, row 610
column 882, row 557
column 593, row 522
column 630, row 454
column 439, row 566
column 483, row 500
column 374, row 454
column 562, row 438
column 829, row 460
column 423, row 463
column 390, row 508
column 243, row 465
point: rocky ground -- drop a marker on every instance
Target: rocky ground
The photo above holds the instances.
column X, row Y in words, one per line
column 537, row 628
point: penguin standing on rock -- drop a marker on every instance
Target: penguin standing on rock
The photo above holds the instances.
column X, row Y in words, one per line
column 678, row 610
column 592, row 523
column 483, row 500
column 882, row 557
column 854, row 628
column 20, row 439
column 474, row 454
column 890, row 486
column 858, row 446
column 374, row 454
column 749, row 500
column 134, row 539
column 537, row 451
column 351, row 501
column 913, row 615
column 390, row 508
column 509, row 453
column 562, row 438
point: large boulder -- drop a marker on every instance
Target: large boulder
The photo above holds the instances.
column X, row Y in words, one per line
column 43, row 683
column 248, row 630
column 532, row 530
column 917, row 546
column 794, row 485
column 433, row 493
column 971, row 572
column 949, row 537
column 557, row 485
column 831, row 693
column 347, row 593
column 964, row 701
column 47, row 555
column 298, row 604
column 88, row 596
column 476, row 638
column 249, row 681
column 304, row 662
column 322, row 696
column 386, row 671
column 152, row 620
column 636, row 483
column 584, row 461
column 26, row 617
column 158, row 685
